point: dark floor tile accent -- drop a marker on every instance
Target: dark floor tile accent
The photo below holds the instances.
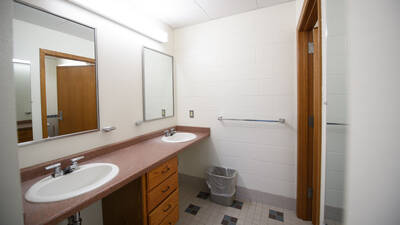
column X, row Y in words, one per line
column 203, row 195
column 276, row 215
column 192, row 209
column 237, row 204
column 229, row 220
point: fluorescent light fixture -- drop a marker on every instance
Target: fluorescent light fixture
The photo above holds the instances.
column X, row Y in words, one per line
column 122, row 14
column 20, row 61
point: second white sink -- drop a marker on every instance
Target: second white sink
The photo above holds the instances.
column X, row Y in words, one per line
column 179, row 137
column 85, row 179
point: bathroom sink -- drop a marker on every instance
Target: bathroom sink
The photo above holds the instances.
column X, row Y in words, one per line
column 179, row 137
column 80, row 181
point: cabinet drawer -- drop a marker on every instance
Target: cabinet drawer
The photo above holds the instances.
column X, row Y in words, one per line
column 161, row 173
column 165, row 209
column 171, row 218
column 159, row 193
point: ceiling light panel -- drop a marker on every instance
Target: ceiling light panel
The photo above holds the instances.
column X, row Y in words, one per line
column 124, row 12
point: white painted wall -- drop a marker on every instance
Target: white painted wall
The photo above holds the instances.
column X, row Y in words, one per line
column 242, row 66
column 28, row 49
column 10, row 188
column 22, row 79
column 120, row 91
column 373, row 153
column 51, row 85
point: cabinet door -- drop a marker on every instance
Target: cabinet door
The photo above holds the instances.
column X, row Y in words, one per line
column 124, row 206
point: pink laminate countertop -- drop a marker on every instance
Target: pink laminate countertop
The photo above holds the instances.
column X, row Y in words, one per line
column 133, row 162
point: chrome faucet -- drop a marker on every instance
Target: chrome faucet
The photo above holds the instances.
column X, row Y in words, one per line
column 74, row 165
column 57, row 170
column 167, row 133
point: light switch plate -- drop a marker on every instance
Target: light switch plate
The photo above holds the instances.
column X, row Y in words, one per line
column 191, row 113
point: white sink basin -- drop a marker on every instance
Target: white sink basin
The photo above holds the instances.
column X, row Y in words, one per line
column 179, row 137
column 80, row 181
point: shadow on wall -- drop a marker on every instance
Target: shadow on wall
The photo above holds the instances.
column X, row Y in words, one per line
column 205, row 154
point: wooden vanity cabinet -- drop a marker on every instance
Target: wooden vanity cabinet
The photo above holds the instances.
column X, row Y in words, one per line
column 151, row 200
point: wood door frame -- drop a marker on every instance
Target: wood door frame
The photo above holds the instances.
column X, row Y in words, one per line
column 43, row 102
column 309, row 18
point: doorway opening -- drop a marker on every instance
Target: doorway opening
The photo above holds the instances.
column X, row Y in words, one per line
column 309, row 112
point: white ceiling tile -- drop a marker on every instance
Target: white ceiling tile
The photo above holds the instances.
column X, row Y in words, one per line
column 267, row 3
column 178, row 13
column 221, row 8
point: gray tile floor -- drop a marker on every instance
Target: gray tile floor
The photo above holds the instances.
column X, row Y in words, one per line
column 332, row 222
column 209, row 213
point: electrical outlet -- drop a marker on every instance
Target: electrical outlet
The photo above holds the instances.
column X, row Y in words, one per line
column 191, row 113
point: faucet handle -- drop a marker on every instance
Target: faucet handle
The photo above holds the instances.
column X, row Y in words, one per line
column 57, row 169
column 54, row 166
column 74, row 162
column 76, row 159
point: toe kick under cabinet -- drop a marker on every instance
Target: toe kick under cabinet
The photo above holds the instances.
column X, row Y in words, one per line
column 151, row 200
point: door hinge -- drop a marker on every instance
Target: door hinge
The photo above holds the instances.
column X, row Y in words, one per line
column 311, row 121
column 310, row 47
column 309, row 193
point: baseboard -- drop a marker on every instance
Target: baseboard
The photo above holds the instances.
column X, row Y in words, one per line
column 245, row 194
column 334, row 213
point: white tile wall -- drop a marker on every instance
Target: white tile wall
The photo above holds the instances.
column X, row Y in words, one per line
column 241, row 66
column 337, row 94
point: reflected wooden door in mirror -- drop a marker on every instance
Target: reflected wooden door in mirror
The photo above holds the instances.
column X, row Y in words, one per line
column 68, row 93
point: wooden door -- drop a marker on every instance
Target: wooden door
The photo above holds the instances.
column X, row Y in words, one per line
column 310, row 127
column 76, row 95
column 317, row 115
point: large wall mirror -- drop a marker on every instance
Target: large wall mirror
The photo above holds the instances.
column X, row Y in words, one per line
column 55, row 75
column 158, row 85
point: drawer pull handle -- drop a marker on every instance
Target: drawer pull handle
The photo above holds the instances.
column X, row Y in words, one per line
column 169, row 223
column 165, row 170
column 166, row 189
column 169, row 206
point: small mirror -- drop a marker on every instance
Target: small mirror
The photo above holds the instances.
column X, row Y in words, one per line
column 55, row 75
column 158, row 85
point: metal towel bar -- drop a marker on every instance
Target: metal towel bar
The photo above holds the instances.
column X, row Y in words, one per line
column 336, row 124
column 280, row 120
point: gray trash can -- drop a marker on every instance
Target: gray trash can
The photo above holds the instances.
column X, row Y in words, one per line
column 222, row 183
